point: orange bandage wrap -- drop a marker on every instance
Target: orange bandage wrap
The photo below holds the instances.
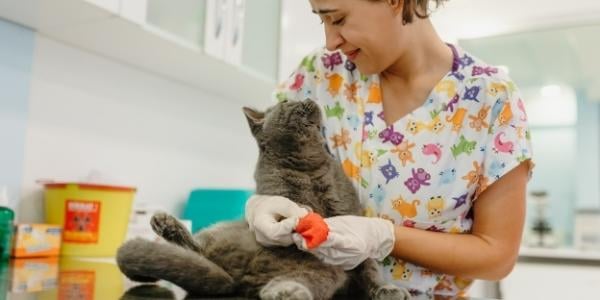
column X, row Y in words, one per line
column 313, row 229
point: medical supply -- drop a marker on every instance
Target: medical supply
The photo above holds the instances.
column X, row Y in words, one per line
column 36, row 240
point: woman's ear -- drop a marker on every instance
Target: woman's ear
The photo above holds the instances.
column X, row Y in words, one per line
column 255, row 120
column 397, row 6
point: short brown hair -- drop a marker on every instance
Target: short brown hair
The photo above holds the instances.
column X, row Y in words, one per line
column 419, row 8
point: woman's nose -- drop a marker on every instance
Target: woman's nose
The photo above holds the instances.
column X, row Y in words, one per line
column 333, row 38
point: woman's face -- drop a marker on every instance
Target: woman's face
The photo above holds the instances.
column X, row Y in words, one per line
column 368, row 32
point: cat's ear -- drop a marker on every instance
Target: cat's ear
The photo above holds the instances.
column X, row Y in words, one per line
column 255, row 119
column 311, row 109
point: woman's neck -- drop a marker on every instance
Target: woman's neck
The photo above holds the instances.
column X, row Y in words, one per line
column 427, row 55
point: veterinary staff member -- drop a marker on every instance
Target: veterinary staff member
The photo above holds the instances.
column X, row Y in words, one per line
column 435, row 141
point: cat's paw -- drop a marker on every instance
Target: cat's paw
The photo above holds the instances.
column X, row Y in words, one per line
column 288, row 289
column 391, row 292
column 162, row 223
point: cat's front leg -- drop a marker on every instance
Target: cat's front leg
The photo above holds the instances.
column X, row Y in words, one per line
column 305, row 284
column 371, row 280
column 284, row 288
column 170, row 229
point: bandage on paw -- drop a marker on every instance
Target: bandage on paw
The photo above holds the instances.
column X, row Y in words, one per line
column 313, row 229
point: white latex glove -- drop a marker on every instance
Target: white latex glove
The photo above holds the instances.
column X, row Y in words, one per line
column 273, row 219
column 353, row 239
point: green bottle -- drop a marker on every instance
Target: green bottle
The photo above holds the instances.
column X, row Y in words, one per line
column 7, row 217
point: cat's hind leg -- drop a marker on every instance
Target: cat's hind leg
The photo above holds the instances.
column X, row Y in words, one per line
column 305, row 285
column 144, row 260
column 170, row 229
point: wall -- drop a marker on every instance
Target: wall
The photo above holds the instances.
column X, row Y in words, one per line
column 588, row 148
column 89, row 113
column 301, row 32
column 16, row 51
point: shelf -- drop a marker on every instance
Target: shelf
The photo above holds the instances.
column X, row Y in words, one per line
column 559, row 254
column 89, row 27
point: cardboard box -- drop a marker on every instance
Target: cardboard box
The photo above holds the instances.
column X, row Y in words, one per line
column 36, row 240
column 34, row 274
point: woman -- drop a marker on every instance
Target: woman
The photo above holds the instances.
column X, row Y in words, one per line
column 435, row 140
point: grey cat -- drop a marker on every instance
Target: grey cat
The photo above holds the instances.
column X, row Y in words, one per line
column 225, row 259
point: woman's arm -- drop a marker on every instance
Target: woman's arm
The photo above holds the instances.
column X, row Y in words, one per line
column 491, row 250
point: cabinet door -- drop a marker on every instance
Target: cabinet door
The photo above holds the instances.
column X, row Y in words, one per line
column 110, row 5
column 551, row 281
column 260, row 44
column 182, row 18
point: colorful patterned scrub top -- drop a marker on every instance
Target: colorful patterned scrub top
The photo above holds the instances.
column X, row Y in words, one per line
column 426, row 169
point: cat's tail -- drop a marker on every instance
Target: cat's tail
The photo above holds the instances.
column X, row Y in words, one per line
column 148, row 261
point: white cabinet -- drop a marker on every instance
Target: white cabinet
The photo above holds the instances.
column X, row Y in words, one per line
column 168, row 44
column 134, row 10
column 109, row 5
column 552, row 282
column 183, row 19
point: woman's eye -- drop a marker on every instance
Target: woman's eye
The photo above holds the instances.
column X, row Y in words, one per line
column 339, row 21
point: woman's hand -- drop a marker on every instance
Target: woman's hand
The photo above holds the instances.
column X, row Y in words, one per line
column 273, row 219
column 353, row 239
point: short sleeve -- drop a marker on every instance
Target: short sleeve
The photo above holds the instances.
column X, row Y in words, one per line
column 302, row 83
column 508, row 139
column 306, row 82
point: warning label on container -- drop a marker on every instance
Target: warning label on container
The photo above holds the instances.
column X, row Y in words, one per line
column 82, row 221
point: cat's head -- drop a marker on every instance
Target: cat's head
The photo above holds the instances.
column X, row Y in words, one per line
column 288, row 128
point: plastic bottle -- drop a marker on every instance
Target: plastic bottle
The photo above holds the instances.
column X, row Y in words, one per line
column 7, row 217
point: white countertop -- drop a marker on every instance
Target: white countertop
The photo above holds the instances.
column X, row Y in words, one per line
column 560, row 253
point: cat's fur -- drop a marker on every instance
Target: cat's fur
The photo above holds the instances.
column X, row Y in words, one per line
column 225, row 259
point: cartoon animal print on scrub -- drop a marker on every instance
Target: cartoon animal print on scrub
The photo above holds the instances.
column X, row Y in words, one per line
column 452, row 103
column 405, row 209
column 335, row 83
column 502, row 146
column 436, row 125
column 419, row 178
column 298, row 81
column 415, row 127
column 389, row 135
column 351, row 92
column 457, row 119
column 389, row 171
column 435, row 207
column 478, row 122
column 400, row 271
column 341, row 140
column 446, row 86
column 505, row 114
column 447, row 176
column 463, row 146
column 374, row 93
column 433, row 149
column 334, row 112
column 404, row 153
column 474, row 175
